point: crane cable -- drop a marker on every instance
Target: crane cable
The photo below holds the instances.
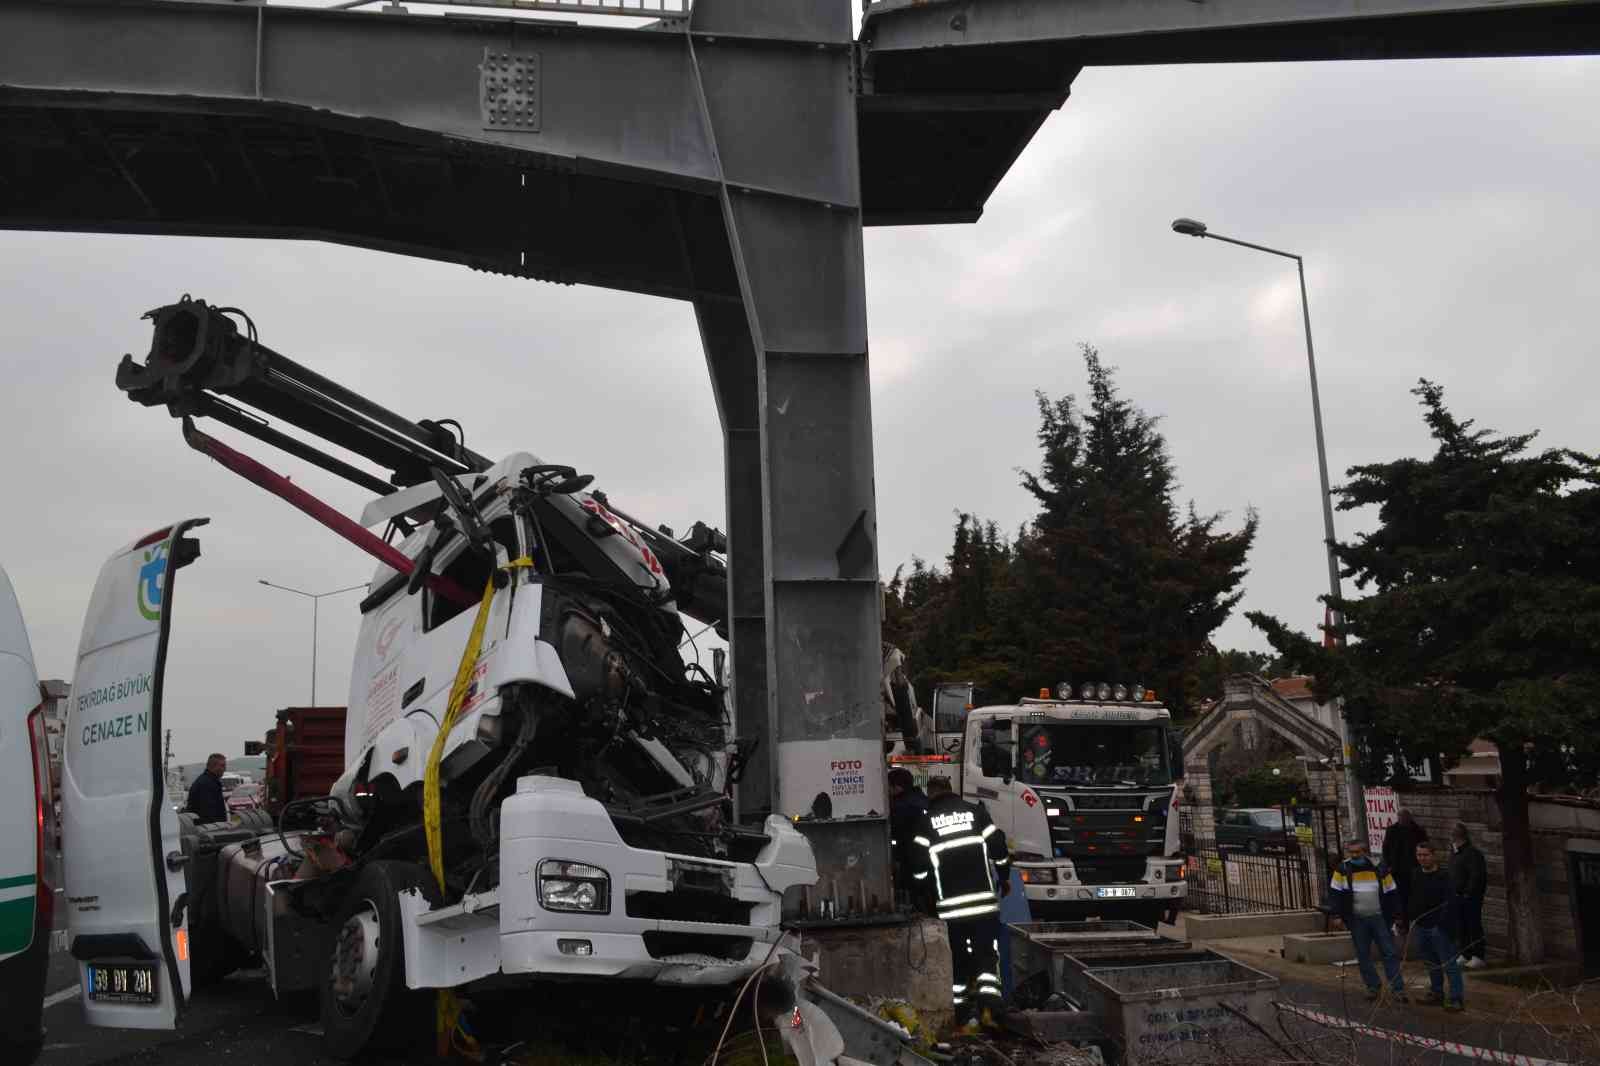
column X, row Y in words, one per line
column 447, row 1017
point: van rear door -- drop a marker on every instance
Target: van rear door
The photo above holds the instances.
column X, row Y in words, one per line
column 25, row 822
column 126, row 893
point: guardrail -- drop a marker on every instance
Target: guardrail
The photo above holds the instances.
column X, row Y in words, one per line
column 628, row 8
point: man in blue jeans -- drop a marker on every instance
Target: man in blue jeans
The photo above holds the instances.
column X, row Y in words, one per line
column 1364, row 893
column 1433, row 915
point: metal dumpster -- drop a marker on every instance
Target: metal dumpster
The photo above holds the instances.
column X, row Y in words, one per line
column 1039, row 950
column 1172, row 1005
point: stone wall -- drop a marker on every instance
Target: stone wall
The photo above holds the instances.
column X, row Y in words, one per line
column 1554, row 822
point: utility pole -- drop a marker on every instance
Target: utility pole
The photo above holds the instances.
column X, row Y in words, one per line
column 1355, row 795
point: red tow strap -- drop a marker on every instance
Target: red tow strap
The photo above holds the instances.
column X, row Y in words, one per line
column 299, row 498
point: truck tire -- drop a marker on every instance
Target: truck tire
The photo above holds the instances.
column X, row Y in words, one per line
column 364, row 1001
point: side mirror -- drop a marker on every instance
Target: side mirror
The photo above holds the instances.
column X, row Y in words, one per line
column 1175, row 755
column 989, row 760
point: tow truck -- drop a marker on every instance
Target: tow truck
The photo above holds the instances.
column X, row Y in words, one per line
column 1085, row 785
column 536, row 786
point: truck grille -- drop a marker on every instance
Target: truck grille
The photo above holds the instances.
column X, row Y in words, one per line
column 1121, row 801
column 728, row 948
column 1109, row 871
column 688, row 907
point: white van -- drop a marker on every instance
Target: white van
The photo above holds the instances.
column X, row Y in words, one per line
column 26, row 901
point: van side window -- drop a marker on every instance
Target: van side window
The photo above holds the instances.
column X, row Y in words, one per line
column 471, row 571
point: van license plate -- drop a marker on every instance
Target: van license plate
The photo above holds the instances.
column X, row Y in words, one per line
column 123, row 982
column 1115, row 892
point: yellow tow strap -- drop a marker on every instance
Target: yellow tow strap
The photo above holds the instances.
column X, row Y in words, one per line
column 448, row 1014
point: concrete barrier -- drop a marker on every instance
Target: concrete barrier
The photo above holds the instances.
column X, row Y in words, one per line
column 1271, row 923
column 1318, row 947
column 909, row 961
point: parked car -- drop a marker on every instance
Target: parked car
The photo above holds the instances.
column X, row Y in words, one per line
column 1256, row 829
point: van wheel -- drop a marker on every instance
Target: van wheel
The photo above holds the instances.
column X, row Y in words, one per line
column 364, row 1001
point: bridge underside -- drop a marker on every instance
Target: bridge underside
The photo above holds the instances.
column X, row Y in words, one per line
column 729, row 159
column 135, row 164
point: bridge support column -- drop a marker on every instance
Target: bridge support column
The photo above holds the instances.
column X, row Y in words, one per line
column 790, row 368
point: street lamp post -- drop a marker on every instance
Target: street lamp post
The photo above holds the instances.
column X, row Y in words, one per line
column 315, row 598
column 1352, row 782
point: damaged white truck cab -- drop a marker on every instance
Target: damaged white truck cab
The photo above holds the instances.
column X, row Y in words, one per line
column 582, row 811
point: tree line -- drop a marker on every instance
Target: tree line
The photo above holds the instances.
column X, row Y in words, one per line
column 1112, row 580
column 1477, row 613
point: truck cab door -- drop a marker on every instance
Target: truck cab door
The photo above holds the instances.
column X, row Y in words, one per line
column 127, row 913
column 988, row 767
column 951, row 702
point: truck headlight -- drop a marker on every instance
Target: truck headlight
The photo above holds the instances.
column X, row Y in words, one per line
column 574, row 886
column 1037, row 875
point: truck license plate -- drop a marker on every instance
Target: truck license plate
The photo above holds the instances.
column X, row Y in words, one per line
column 123, row 982
column 1115, row 892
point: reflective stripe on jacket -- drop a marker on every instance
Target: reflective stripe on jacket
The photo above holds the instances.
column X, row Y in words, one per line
column 957, row 845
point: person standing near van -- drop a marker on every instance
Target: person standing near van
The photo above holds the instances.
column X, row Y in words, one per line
column 205, row 794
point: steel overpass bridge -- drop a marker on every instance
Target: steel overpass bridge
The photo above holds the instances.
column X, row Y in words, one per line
column 723, row 152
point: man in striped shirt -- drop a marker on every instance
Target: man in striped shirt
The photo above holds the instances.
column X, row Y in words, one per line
column 957, row 847
column 1367, row 900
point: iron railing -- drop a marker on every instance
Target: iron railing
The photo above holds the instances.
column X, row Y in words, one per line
column 1234, row 882
column 629, row 8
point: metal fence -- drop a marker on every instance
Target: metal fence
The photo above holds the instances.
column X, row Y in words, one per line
column 1236, row 882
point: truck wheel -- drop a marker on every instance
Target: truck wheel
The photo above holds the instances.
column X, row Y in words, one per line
column 365, row 1003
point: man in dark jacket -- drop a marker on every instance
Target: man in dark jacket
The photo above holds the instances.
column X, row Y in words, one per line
column 1364, row 893
column 906, row 806
column 1469, row 880
column 963, row 854
column 1432, row 908
column 1400, row 842
column 205, row 793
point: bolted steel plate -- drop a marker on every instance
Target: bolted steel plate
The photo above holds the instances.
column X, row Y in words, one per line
column 508, row 90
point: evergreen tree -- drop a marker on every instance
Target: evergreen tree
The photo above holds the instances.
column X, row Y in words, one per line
column 1108, row 583
column 1483, row 620
column 1113, row 582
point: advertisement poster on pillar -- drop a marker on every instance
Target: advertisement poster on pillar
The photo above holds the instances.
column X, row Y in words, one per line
column 832, row 779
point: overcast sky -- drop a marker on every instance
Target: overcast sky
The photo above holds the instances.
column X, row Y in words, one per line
column 1446, row 211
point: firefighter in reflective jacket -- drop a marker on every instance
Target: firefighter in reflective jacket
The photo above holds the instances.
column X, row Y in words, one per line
column 964, row 854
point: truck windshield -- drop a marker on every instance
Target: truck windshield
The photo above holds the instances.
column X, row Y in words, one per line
column 1093, row 753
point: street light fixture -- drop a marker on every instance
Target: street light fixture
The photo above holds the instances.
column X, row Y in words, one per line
column 1190, row 227
column 315, row 598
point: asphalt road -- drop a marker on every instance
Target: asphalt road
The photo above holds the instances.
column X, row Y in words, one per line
column 238, row 1023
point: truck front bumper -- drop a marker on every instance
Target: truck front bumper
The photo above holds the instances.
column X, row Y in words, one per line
column 671, row 919
column 1056, row 882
